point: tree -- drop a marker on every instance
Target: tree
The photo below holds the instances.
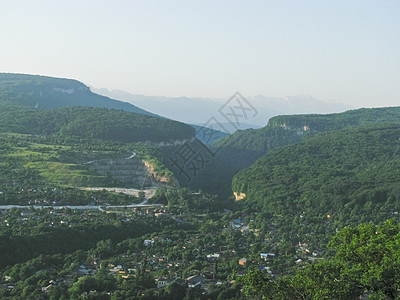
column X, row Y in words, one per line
column 175, row 291
column 84, row 284
column 367, row 259
column 371, row 255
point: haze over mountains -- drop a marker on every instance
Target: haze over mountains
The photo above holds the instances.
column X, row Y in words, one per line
column 200, row 110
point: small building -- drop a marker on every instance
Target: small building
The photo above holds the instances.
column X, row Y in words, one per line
column 242, row 261
column 26, row 214
column 194, row 281
column 266, row 256
column 213, row 256
column 148, row 242
column 84, row 270
column 163, row 282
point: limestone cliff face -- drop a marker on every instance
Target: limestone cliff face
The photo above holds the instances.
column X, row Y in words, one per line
column 134, row 171
column 157, row 177
column 239, row 196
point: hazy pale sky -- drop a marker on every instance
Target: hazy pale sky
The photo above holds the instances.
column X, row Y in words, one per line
column 346, row 51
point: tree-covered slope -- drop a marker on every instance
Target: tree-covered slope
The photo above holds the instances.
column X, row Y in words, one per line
column 98, row 123
column 244, row 147
column 44, row 92
column 351, row 174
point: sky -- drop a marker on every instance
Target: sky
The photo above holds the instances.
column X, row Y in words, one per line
column 345, row 51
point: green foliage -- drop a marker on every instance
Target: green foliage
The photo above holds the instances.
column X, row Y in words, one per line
column 48, row 236
column 370, row 255
column 94, row 123
column 343, row 174
column 366, row 262
column 187, row 200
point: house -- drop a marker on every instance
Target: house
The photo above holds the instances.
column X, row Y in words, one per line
column 298, row 261
column 148, row 242
column 265, row 256
column 26, row 214
column 213, row 256
column 268, row 269
column 194, row 281
column 84, row 270
column 163, row 282
column 46, row 288
column 242, row 261
column 304, row 248
column 245, row 229
column 239, row 221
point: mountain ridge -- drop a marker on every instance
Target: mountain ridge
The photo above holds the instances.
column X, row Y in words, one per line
column 244, row 147
column 45, row 92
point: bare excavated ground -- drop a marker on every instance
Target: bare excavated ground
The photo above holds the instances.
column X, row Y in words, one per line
column 149, row 192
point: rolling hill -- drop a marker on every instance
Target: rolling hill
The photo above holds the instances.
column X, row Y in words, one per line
column 98, row 123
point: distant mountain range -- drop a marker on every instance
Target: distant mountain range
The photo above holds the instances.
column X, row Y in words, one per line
column 200, row 110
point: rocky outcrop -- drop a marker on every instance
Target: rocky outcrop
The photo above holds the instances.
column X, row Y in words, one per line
column 239, row 196
column 153, row 173
column 133, row 172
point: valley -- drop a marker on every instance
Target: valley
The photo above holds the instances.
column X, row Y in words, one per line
column 100, row 202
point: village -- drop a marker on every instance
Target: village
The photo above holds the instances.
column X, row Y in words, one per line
column 182, row 247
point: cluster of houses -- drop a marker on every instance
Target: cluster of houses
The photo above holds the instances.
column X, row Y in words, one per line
column 190, row 282
column 157, row 212
column 303, row 248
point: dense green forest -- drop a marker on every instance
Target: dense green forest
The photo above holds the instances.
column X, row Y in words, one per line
column 244, row 147
column 350, row 174
column 97, row 123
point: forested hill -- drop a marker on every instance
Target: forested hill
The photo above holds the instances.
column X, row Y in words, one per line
column 351, row 174
column 97, row 123
column 244, row 147
column 44, row 92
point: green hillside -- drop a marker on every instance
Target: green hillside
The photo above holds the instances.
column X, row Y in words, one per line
column 352, row 175
column 98, row 123
column 36, row 162
column 244, row 147
column 44, row 92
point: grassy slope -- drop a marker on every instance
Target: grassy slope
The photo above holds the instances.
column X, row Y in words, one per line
column 56, row 168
